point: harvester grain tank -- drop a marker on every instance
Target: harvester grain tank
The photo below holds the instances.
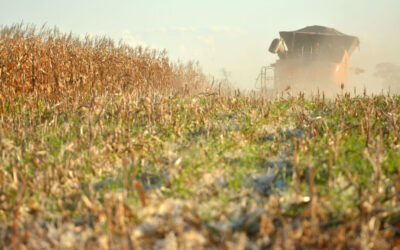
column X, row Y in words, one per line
column 311, row 58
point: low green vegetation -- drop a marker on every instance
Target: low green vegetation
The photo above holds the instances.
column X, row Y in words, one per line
column 199, row 171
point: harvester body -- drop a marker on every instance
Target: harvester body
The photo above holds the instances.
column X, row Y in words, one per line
column 311, row 58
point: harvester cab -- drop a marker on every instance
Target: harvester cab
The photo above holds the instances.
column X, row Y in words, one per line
column 312, row 58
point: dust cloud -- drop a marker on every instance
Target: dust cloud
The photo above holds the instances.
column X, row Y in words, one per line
column 374, row 67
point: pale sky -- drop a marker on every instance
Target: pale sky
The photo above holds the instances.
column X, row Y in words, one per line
column 220, row 34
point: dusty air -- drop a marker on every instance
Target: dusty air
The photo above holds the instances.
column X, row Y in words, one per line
column 311, row 59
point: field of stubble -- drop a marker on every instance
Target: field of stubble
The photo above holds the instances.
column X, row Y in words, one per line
column 108, row 147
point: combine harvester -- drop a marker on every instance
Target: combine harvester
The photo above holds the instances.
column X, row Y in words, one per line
column 311, row 59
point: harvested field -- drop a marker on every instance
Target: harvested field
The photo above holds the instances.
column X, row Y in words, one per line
column 103, row 146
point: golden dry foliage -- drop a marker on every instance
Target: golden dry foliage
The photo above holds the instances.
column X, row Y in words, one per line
column 50, row 62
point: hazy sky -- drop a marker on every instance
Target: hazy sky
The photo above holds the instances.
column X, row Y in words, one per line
column 220, row 34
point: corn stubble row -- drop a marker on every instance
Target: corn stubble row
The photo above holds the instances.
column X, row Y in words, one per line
column 49, row 62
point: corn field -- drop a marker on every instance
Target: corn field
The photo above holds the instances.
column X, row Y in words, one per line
column 112, row 147
column 50, row 62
